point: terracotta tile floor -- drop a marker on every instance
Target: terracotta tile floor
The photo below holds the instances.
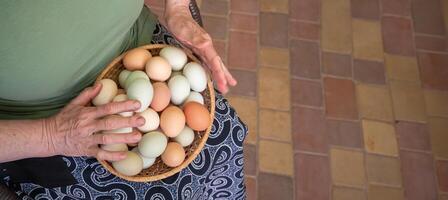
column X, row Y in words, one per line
column 344, row 99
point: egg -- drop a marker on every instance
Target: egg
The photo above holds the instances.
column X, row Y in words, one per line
column 162, row 96
column 152, row 120
column 121, row 98
column 141, row 90
column 197, row 116
column 185, row 137
column 172, row 121
column 134, row 76
column 195, row 96
column 120, row 130
column 174, row 155
column 114, row 147
column 147, row 162
column 152, row 144
column 179, row 88
column 108, row 91
column 196, row 76
column 175, row 56
column 123, row 76
column 136, row 59
column 158, row 69
column 130, row 166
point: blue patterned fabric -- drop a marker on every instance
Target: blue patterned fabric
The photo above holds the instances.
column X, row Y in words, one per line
column 216, row 173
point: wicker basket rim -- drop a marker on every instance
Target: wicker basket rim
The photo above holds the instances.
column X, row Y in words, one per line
column 195, row 153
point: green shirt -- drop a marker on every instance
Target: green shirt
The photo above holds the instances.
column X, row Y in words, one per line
column 52, row 49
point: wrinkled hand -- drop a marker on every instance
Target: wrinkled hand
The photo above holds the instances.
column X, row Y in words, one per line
column 71, row 132
column 190, row 34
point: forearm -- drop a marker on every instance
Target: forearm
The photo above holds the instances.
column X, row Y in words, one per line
column 23, row 139
column 176, row 7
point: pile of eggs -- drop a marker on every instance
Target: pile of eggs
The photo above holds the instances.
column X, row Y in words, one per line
column 169, row 91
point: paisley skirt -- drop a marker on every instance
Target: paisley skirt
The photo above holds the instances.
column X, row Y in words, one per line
column 216, row 173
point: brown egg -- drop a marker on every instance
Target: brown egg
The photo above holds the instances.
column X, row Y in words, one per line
column 197, row 116
column 173, row 155
column 158, row 69
column 136, row 59
column 162, row 96
column 172, row 121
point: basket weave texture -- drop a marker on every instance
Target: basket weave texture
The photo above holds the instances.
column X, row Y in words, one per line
column 159, row 170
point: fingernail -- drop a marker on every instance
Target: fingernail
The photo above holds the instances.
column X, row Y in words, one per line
column 136, row 137
column 136, row 104
column 141, row 121
column 123, row 156
column 97, row 85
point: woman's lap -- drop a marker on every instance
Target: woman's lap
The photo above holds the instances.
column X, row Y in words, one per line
column 216, row 173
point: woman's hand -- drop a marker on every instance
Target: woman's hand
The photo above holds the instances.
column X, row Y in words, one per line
column 72, row 132
column 186, row 30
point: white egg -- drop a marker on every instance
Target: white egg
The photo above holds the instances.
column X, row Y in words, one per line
column 134, row 76
column 122, row 77
column 175, row 56
column 121, row 98
column 147, row 162
column 152, row 144
column 195, row 96
column 196, row 75
column 185, row 137
column 108, row 91
column 141, row 90
column 130, row 166
column 120, row 130
column 114, row 147
column 152, row 120
column 179, row 88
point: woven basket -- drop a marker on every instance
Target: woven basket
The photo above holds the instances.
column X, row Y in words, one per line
column 159, row 170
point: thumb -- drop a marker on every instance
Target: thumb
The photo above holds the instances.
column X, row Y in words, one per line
column 86, row 95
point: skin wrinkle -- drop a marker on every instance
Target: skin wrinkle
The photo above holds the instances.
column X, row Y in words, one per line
column 189, row 33
column 71, row 132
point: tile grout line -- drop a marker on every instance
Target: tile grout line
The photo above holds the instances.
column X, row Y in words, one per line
column 434, row 162
column 430, row 35
column 389, row 91
column 359, row 118
column 206, row 14
column 257, row 86
column 292, row 142
column 243, row 13
column 324, row 102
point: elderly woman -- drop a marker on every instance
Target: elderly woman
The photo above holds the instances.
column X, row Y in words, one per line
column 50, row 51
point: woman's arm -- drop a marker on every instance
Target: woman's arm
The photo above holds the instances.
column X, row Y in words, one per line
column 22, row 139
column 71, row 131
column 186, row 30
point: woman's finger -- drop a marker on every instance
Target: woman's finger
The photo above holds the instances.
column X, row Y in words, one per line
column 232, row 81
column 110, row 155
column 117, row 107
column 113, row 138
column 86, row 96
column 218, row 74
column 115, row 122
